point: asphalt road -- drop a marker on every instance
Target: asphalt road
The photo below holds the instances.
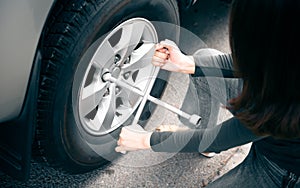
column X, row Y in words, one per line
column 208, row 20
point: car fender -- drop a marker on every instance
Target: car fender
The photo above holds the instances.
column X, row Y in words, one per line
column 21, row 25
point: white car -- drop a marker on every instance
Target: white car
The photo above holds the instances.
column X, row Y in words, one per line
column 53, row 100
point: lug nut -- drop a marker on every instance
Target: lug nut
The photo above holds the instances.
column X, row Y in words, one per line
column 106, row 76
column 126, row 75
column 117, row 58
column 117, row 90
column 107, row 92
column 127, row 60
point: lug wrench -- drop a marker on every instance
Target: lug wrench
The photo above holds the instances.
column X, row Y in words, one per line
column 193, row 119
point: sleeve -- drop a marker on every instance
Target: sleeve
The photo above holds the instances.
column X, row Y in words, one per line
column 214, row 66
column 229, row 134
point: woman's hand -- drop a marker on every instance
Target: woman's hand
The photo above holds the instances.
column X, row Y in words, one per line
column 169, row 57
column 132, row 140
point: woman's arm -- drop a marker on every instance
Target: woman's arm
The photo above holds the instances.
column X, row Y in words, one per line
column 229, row 134
column 214, row 66
column 169, row 57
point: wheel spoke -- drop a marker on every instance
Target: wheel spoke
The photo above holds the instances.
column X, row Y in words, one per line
column 140, row 58
column 91, row 97
column 107, row 110
column 123, row 95
column 131, row 36
column 123, row 109
column 104, row 55
column 126, row 103
column 130, row 81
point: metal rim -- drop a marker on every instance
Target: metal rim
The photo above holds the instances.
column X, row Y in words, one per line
column 126, row 53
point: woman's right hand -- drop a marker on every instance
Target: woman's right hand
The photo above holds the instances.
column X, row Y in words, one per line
column 169, row 57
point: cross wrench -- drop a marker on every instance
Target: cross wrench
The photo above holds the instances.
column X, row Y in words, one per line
column 194, row 119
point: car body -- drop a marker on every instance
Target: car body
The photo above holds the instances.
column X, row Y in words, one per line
column 25, row 40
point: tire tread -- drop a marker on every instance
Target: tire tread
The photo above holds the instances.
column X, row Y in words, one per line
column 62, row 30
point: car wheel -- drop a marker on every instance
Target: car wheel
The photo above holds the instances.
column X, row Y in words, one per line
column 79, row 113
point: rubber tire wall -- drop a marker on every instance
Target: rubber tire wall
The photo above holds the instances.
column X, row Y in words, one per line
column 71, row 29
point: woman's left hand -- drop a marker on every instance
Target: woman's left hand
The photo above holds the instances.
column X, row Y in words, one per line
column 132, row 140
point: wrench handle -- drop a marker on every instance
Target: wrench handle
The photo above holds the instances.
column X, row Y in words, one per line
column 169, row 107
column 194, row 119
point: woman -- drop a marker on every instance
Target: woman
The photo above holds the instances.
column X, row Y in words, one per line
column 265, row 101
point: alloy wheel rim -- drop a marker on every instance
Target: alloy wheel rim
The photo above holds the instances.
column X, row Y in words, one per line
column 126, row 53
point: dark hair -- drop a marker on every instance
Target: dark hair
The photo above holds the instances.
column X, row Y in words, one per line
column 265, row 40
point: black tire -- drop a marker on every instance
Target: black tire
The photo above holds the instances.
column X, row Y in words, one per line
column 71, row 29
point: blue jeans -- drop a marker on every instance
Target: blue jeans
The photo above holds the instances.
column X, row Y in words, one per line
column 204, row 96
column 256, row 171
